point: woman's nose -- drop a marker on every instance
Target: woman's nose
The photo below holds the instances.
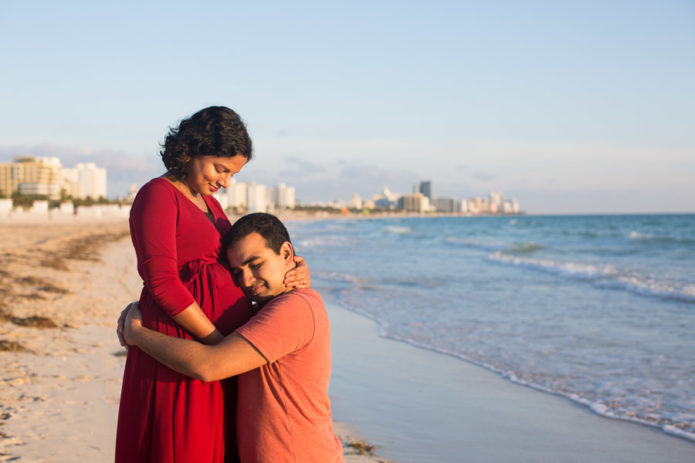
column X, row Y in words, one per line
column 225, row 179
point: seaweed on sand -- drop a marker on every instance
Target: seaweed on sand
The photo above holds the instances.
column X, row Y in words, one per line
column 83, row 248
column 11, row 346
column 42, row 285
column 360, row 447
column 35, row 321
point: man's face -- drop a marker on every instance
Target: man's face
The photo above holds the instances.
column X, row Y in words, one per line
column 258, row 269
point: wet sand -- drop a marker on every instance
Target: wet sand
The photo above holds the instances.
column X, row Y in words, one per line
column 422, row 406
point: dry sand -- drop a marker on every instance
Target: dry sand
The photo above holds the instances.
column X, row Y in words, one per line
column 62, row 286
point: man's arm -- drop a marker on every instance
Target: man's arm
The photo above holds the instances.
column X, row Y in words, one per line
column 231, row 357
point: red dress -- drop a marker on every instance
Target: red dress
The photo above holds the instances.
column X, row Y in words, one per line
column 165, row 416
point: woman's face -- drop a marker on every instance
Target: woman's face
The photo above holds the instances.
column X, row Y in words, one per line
column 207, row 174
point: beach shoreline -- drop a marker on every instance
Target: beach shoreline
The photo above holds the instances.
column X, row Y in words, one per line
column 425, row 406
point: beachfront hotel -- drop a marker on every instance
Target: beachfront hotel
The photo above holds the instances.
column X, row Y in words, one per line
column 45, row 176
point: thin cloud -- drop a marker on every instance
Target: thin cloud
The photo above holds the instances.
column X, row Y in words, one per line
column 483, row 176
column 298, row 167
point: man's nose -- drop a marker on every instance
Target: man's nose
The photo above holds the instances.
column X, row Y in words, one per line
column 247, row 279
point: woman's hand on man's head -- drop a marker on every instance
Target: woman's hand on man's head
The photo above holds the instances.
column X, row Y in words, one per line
column 299, row 276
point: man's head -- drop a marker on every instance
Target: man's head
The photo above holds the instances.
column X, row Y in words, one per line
column 259, row 253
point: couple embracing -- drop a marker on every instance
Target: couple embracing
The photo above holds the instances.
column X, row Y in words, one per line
column 229, row 356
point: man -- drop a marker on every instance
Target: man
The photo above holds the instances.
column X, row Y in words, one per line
column 282, row 355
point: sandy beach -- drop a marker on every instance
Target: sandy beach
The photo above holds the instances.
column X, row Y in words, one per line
column 63, row 286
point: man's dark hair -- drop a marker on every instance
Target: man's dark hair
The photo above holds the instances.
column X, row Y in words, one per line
column 213, row 131
column 267, row 225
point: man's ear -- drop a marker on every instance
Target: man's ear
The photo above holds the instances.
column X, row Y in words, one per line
column 287, row 253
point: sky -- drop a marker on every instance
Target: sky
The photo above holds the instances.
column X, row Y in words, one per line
column 570, row 107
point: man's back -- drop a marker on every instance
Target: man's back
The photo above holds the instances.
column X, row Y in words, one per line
column 283, row 411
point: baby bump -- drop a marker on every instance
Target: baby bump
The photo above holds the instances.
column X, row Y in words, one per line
column 212, row 286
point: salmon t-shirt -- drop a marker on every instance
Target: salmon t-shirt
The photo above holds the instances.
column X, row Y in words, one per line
column 283, row 409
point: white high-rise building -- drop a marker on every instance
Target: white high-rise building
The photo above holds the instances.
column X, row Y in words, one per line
column 85, row 180
column 234, row 196
column 496, row 201
column 283, row 197
column 511, row 206
column 257, row 197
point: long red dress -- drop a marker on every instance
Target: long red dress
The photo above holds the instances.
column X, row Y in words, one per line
column 165, row 416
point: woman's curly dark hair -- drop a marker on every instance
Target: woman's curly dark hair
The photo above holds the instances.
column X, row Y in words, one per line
column 213, row 131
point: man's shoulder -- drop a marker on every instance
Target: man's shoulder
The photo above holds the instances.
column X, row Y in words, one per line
column 298, row 298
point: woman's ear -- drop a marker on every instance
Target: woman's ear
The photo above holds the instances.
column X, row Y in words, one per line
column 287, row 253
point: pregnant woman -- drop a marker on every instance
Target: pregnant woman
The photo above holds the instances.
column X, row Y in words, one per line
column 176, row 227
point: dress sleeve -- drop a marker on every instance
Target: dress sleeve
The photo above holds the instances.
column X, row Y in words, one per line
column 284, row 325
column 153, row 220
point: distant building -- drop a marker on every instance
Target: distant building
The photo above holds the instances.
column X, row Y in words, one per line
column 9, row 175
column 238, row 194
column 282, row 197
column 234, row 196
column 496, row 198
column 31, row 176
column 85, row 180
column 475, row 205
column 413, row 203
column 355, row 202
column 425, row 188
column 384, row 203
column 511, row 206
column 46, row 177
column 448, row 205
column 493, row 204
column 257, row 197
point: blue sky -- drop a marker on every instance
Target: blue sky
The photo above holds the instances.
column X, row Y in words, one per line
column 567, row 106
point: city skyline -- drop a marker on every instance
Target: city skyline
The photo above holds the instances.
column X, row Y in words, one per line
column 45, row 179
column 572, row 108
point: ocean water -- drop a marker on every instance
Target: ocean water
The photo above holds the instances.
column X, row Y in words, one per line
column 600, row 309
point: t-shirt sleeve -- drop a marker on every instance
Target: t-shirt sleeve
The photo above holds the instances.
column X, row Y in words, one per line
column 153, row 229
column 284, row 325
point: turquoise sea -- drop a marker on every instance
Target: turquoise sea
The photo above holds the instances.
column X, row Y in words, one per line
column 599, row 309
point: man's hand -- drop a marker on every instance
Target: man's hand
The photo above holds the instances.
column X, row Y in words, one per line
column 127, row 319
